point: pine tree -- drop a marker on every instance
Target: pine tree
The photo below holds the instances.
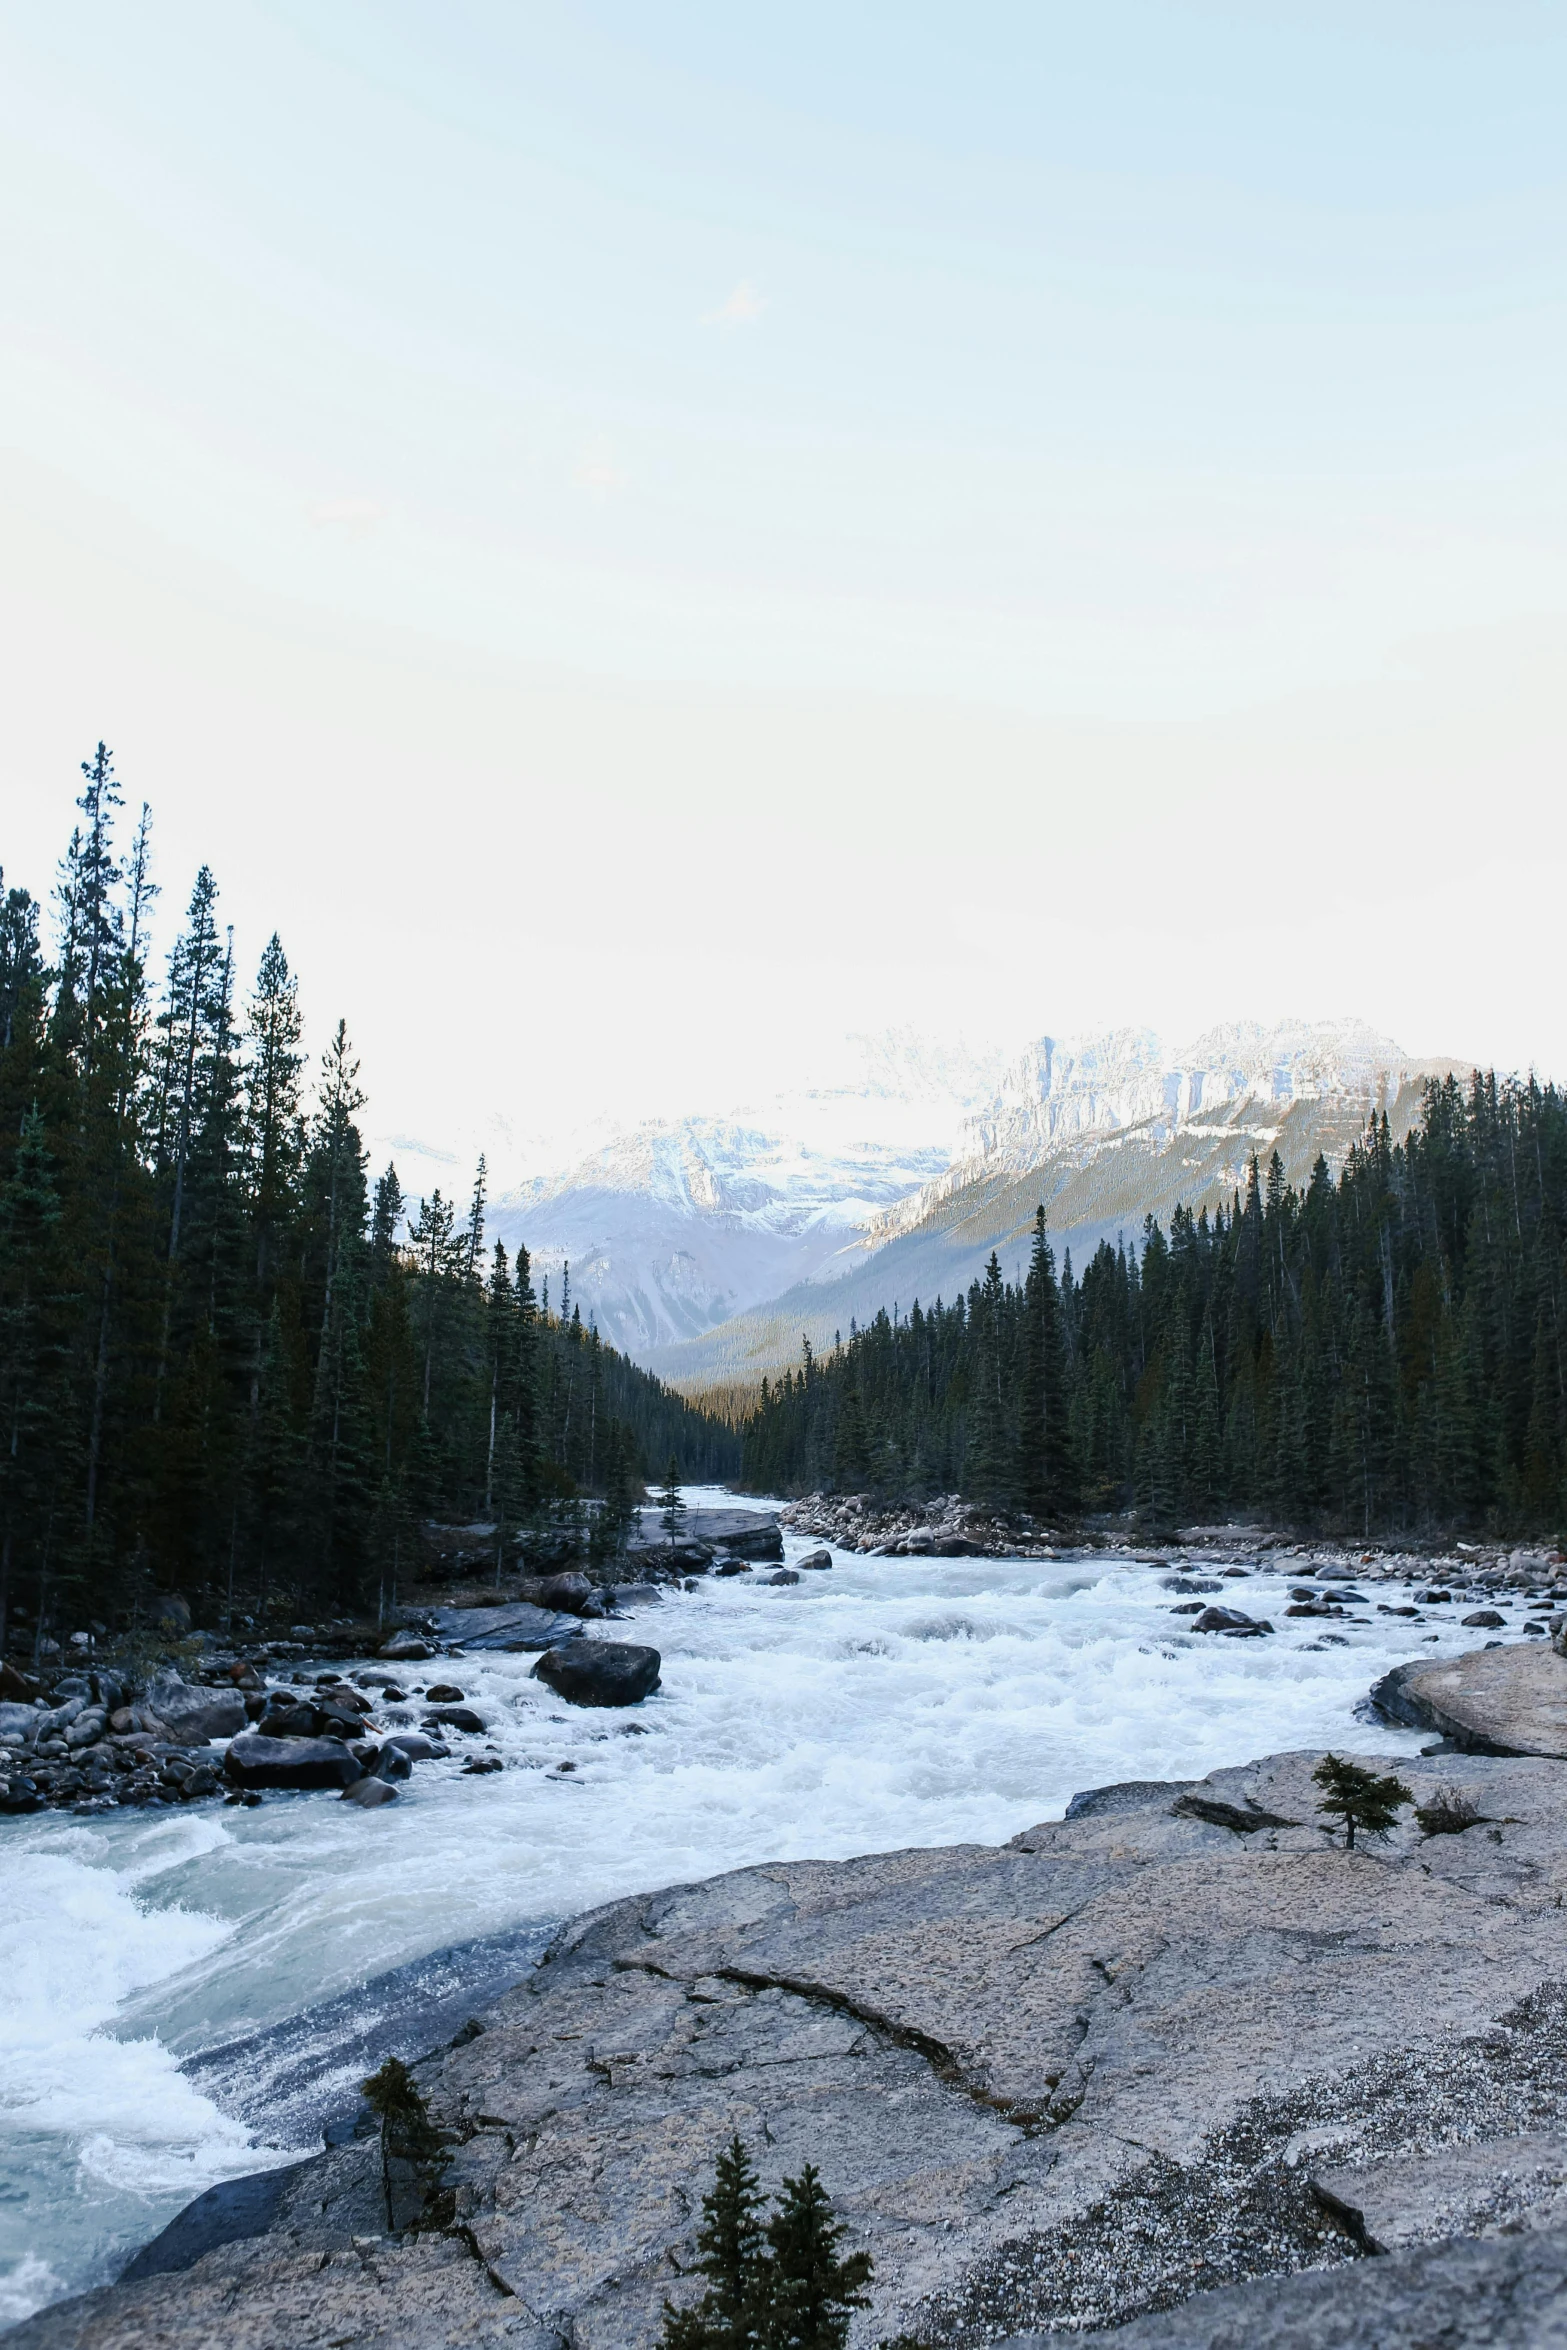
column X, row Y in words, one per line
column 810, row 2289
column 671, row 1507
column 730, row 2256
column 1360, row 1798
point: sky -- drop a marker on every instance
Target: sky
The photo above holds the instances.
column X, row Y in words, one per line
column 641, row 539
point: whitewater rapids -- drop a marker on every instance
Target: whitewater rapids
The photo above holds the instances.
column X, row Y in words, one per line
column 191, row 1993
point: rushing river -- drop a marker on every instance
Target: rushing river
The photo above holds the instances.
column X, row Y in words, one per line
column 189, row 1994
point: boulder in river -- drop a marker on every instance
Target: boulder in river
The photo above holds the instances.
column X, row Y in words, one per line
column 567, row 1594
column 516, row 1628
column 733, row 1567
column 369, row 1793
column 413, row 1743
column 599, row 1672
column 1232, row 1620
column 255, row 1761
column 193, row 1713
column 405, row 1648
column 815, row 1562
column 455, row 1717
column 1511, row 1699
column 781, row 1575
column 632, row 1595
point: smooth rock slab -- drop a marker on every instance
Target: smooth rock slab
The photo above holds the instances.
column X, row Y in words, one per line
column 600, row 1672
column 519, row 1628
column 1507, row 1700
column 1463, row 2190
column 989, row 2053
column 1509, row 2294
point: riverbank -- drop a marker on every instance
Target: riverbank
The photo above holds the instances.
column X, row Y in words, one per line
column 1177, row 2040
column 200, row 1985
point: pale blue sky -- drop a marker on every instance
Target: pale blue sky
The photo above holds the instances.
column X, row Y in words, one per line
column 1137, row 365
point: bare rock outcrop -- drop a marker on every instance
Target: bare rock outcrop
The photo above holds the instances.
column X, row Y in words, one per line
column 1510, row 1698
column 1177, row 2041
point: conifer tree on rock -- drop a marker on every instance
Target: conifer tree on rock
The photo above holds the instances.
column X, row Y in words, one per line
column 671, row 1508
column 1360, row 1798
column 810, row 2289
column 730, row 2255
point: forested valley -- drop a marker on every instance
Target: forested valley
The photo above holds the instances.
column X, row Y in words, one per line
column 231, row 1366
column 1378, row 1354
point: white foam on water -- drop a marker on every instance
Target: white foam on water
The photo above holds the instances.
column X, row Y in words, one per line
column 113, row 2116
column 887, row 1703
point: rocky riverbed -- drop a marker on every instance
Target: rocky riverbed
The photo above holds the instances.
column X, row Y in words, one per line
column 1177, row 2041
column 950, row 1527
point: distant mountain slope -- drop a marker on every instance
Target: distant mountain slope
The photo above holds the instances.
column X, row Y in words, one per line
column 673, row 1227
column 1104, row 1131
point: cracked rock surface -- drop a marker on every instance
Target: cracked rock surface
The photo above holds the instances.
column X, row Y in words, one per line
column 1165, row 2046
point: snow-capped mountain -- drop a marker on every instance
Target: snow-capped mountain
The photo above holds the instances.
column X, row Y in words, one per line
column 671, row 1227
column 1101, row 1130
column 1233, row 1082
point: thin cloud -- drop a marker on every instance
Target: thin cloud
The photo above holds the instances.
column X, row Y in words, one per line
column 356, row 517
column 598, row 473
column 743, row 308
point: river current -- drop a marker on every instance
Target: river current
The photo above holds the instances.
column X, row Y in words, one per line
column 191, row 1994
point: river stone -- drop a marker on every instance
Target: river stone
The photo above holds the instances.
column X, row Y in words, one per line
column 567, row 1593
column 369, row 1793
column 599, row 1672
column 19, row 1721
column 255, row 1761
column 781, row 1575
column 1228, row 1619
column 815, row 1562
column 455, row 1717
column 284, row 1715
column 1510, row 1699
column 517, row 1628
column 634, row 1595
column 194, row 1713
column 405, row 1648
column 733, row 1567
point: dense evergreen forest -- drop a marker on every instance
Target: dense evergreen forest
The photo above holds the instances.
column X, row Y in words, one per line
column 230, row 1367
column 1383, row 1353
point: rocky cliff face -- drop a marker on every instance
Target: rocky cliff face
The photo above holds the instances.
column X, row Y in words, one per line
column 1178, row 2040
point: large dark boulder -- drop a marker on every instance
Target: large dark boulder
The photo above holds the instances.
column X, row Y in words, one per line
column 1232, row 1620
column 454, row 1717
column 255, row 1761
column 569, row 1594
column 599, row 1672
